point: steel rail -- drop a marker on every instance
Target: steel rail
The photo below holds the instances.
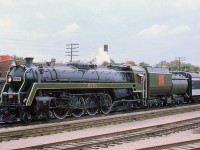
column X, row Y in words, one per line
column 190, row 144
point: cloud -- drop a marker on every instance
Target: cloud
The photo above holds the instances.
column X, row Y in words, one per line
column 180, row 29
column 155, row 29
column 69, row 29
column 6, row 2
column 116, row 20
column 6, row 24
column 40, row 15
column 72, row 27
column 193, row 4
column 160, row 30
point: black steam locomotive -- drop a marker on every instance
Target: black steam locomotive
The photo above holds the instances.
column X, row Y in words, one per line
column 37, row 92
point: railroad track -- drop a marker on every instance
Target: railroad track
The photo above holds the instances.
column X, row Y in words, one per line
column 47, row 129
column 69, row 118
column 111, row 139
column 186, row 145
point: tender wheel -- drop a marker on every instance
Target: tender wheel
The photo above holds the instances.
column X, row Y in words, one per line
column 77, row 104
column 105, row 104
column 60, row 111
column 91, row 105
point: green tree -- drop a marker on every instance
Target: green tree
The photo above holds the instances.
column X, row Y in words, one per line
column 143, row 64
column 174, row 65
column 130, row 62
column 14, row 57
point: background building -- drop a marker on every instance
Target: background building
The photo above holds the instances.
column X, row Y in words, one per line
column 6, row 62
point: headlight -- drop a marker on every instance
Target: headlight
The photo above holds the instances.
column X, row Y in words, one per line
column 9, row 79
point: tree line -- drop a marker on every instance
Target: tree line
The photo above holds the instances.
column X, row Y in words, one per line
column 172, row 65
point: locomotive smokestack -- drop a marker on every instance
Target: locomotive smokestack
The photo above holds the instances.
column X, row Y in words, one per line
column 106, row 48
column 29, row 61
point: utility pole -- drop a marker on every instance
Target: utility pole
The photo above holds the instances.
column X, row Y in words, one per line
column 71, row 50
column 180, row 59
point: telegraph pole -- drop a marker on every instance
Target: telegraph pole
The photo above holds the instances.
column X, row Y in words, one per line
column 180, row 59
column 71, row 47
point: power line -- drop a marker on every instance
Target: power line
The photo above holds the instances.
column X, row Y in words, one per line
column 71, row 50
column 180, row 59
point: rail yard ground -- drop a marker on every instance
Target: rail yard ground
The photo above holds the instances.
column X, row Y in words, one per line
column 30, row 141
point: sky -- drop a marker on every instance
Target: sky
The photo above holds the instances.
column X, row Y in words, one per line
column 138, row 30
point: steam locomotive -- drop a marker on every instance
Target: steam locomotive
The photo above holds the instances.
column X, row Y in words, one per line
column 55, row 91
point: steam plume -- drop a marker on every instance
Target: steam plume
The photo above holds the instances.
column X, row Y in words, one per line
column 102, row 57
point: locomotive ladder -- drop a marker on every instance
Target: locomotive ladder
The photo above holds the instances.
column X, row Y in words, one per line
column 144, row 90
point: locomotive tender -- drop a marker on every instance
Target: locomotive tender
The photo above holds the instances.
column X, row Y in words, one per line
column 36, row 92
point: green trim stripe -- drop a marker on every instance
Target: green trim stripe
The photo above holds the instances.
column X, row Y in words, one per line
column 66, row 86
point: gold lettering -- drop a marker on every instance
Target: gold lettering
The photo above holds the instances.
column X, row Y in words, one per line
column 92, row 85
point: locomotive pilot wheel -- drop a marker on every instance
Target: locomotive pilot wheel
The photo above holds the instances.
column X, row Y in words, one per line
column 91, row 105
